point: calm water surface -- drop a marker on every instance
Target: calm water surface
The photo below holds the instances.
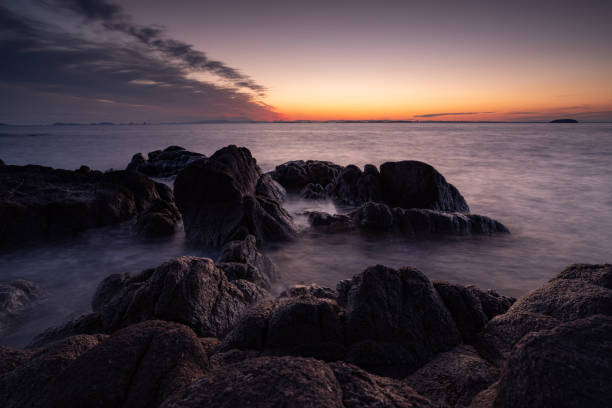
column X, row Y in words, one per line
column 551, row 184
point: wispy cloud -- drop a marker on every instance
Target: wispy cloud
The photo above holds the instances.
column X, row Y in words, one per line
column 140, row 68
column 434, row 115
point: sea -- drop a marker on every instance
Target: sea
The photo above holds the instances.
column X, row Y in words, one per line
column 550, row 184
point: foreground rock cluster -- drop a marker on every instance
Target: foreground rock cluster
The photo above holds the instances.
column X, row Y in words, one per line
column 187, row 334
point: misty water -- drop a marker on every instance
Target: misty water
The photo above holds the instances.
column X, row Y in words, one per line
column 551, row 184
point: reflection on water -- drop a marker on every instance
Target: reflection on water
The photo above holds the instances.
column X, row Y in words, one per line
column 550, row 184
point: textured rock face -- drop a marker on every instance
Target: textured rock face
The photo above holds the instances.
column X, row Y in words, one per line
column 218, row 201
column 164, row 163
column 568, row 366
column 38, row 203
column 242, row 260
column 139, row 366
column 354, row 187
column 295, row 175
column 314, row 191
column 294, row 382
column 414, row 184
column 16, row 297
column 270, row 188
column 27, row 382
column 186, row 290
column 159, row 220
column 395, row 317
column 453, row 378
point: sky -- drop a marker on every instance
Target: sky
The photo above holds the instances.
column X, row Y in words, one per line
column 188, row 60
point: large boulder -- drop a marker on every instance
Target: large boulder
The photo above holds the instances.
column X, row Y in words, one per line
column 16, row 297
column 219, row 203
column 294, row 382
column 356, row 187
column 164, row 163
column 295, row 175
column 454, row 378
column 414, row 184
column 242, row 260
column 159, row 220
column 26, row 382
column 395, row 318
column 568, row 366
column 139, row 366
column 187, row 290
column 38, row 203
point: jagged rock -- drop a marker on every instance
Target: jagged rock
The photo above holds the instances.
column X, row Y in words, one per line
column 16, row 297
column 217, row 198
column 38, row 203
column 354, row 187
column 11, row 358
column 373, row 216
column 395, row 318
column 27, row 383
column 453, row 378
column 159, row 220
column 270, row 188
column 294, row 382
column 242, row 260
column 295, row 175
column 313, row 191
column 311, row 289
column 164, row 163
column 568, row 366
column 413, row 184
column 323, row 219
column 187, row 290
column 139, row 366
column 302, row 325
column 467, row 305
column 86, row 324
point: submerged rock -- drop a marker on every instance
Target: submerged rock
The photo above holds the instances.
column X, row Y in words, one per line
column 218, row 200
column 16, row 297
column 164, row 163
column 41, row 203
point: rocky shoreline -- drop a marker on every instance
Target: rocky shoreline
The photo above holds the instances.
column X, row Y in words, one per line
column 196, row 332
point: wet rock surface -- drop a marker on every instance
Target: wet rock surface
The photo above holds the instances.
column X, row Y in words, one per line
column 219, row 203
column 16, row 298
column 41, row 203
column 163, row 163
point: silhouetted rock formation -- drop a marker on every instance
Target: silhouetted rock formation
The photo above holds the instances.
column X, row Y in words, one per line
column 164, row 163
column 16, row 297
column 38, row 203
column 219, row 202
column 295, row 175
column 159, row 220
column 564, row 121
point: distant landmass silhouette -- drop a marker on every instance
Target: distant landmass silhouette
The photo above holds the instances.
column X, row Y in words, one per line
column 564, row 121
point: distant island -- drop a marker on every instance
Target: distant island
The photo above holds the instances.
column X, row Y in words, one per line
column 564, row 121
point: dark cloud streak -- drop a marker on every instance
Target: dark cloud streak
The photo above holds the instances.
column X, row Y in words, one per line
column 433, row 115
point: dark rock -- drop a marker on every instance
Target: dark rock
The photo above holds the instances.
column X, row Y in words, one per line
column 217, row 198
column 270, row 188
column 354, row 187
column 361, row 389
column 302, row 325
column 568, row 366
column 164, row 163
column 159, row 220
column 242, row 260
column 84, row 169
column 11, row 358
column 187, row 290
column 600, row 275
column 313, row 191
column 295, row 175
column 395, row 318
column 323, row 219
column 373, row 216
column 263, row 382
column 414, row 184
column 467, row 306
column 311, row 289
column 86, row 324
column 38, row 203
column 453, row 378
column 139, row 366
column 26, row 384
column 16, row 297
column 2, row 163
